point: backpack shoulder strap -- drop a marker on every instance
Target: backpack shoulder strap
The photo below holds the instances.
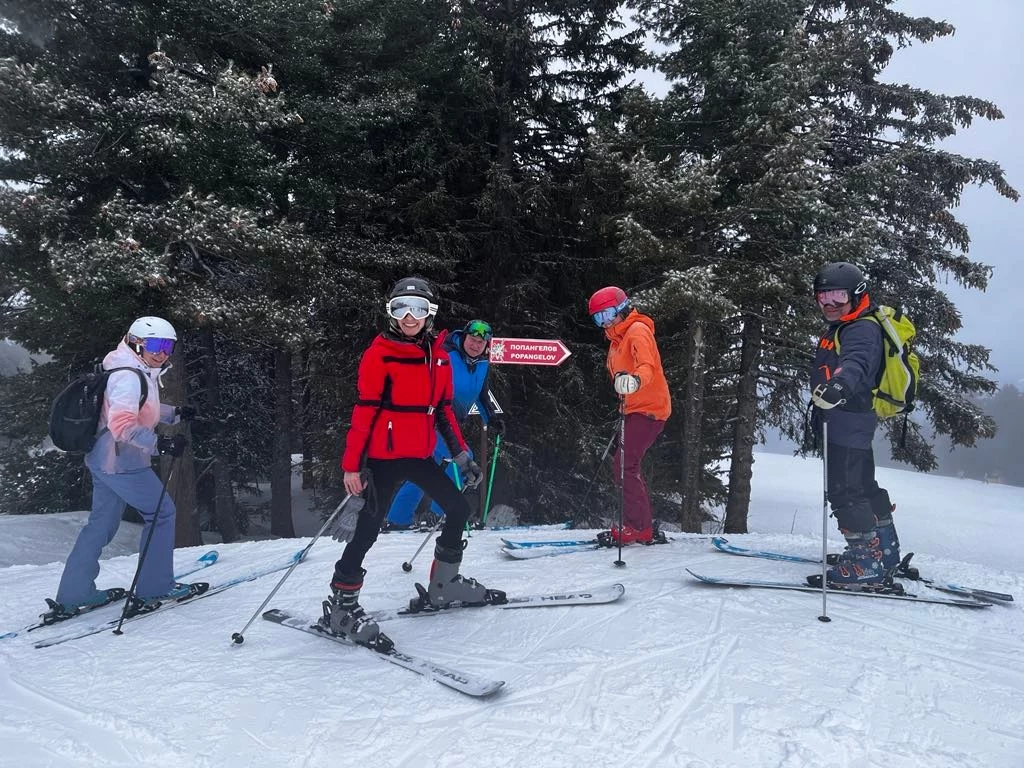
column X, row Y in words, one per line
column 143, row 382
column 868, row 316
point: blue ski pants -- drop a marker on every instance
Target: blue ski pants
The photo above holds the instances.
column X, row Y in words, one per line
column 110, row 493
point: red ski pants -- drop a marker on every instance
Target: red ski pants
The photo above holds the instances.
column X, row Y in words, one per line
column 641, row 432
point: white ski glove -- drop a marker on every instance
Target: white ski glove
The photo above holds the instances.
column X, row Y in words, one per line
column 626, row 383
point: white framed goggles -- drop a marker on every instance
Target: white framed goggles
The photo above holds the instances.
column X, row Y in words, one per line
column 417, row 306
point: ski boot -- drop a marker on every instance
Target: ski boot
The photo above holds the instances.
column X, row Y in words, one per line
column 60, row 612
column 889, row 544
column 179, row 593
column 345, row 617
column 859, row 565
column 448, row 586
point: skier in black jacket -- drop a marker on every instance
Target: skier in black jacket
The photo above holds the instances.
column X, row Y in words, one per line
column 842, row 381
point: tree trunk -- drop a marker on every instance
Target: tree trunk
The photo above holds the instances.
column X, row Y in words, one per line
column 306, row 417
column 181, row 483
column 690, row 516
column 281, row 466
column 223, row 496
column 741, row 466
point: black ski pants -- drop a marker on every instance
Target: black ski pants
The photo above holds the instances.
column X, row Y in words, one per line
column 386, row 475
column 858, row 502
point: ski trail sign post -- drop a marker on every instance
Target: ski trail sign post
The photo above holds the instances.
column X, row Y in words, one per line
column 518, row 352
column 528, row 352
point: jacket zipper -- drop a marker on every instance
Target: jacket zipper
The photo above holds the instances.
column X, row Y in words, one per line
column 391, row 444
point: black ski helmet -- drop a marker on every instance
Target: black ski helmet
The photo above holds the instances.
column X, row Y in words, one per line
column 842, row 274
column 412, row 286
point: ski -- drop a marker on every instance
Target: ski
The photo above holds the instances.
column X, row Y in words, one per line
column 470, row 685
column 599, row 596
column 530, row 553
column 203, row 561
column 904, row 572
column 834, row 590
column 512, row 544
column 166, row 606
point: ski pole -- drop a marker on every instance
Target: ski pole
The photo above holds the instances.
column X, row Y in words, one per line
column 490, row 481
column 407, row 565
column 824, row 524
column 239, row 637
column 145, row 548
column 622, row 473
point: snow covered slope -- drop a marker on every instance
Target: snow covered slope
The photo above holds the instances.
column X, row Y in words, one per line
column 674, row 674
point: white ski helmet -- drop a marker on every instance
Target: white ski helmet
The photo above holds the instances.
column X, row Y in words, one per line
column 152, row 328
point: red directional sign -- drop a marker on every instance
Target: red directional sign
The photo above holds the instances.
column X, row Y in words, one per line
column 528, row 351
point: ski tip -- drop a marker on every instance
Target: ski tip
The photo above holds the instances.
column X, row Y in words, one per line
column 209, row 557
column 274, row 614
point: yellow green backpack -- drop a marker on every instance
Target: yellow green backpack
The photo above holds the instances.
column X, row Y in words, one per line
column 898, row 378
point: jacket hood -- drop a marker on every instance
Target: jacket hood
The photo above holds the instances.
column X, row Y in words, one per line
column 618, row 331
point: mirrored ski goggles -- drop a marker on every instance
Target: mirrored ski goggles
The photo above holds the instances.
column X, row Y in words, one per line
column 604, row 317
column 416, row 306
column 158, row 346
column 480, row 329
column 834, row 296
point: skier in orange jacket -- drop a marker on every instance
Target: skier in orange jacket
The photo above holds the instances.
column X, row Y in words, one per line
column 634, row 365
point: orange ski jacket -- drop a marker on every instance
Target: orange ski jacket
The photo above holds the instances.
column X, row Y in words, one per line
column 634, row 350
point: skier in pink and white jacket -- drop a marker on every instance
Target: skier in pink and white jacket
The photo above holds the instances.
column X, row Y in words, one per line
column 120, row 465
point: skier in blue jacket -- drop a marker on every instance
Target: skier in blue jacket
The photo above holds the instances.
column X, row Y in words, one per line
column 467, row 349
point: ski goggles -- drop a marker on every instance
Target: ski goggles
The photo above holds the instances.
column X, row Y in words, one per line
column 480, row 329
column 157, row 346
column 835, row 297
column 417, row 306
column 604, row 317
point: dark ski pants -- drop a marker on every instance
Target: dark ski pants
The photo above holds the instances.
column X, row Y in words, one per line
column 385, row 477
column 641, row 432
column 858, row 502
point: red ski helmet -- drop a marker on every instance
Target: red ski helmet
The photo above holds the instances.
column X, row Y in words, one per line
column 605, row 298
column 607, row 306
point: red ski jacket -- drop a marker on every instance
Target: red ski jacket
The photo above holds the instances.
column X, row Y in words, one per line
column 403, row 388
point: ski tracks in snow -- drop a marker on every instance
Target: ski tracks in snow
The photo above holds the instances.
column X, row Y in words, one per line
column 65, row 735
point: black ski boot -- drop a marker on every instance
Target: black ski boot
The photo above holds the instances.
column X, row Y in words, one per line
column 345, row 617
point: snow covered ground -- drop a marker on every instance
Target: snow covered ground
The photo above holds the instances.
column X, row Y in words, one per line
column 674, row 674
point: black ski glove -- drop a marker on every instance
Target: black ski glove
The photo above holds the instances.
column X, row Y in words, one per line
column 186, row 412
column 171, row 445
column 827, row 396
column 497, row 424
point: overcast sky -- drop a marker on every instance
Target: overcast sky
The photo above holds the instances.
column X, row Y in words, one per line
column 983, row 59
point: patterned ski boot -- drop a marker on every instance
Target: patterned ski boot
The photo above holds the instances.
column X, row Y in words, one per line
column 345, row 617
column 859, row 565
column 448, row 586
column 889, row 543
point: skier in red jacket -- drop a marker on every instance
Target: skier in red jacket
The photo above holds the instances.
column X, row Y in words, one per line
column 405, row 394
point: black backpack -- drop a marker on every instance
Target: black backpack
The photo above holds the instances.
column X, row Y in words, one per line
column 75, row 414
